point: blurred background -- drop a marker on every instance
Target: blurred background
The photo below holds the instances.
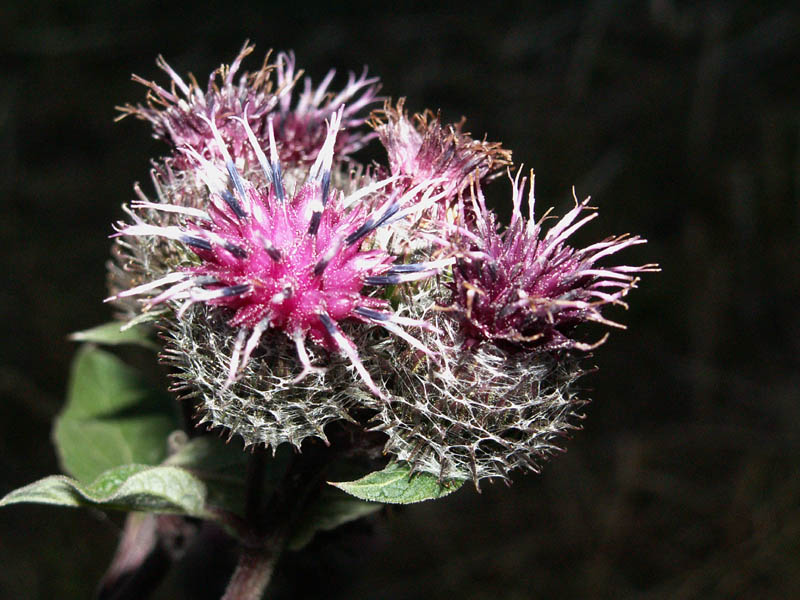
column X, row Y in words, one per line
column 681, row 120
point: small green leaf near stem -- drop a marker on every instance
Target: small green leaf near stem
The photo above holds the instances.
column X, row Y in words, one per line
column 397, row 485
column 116, row 333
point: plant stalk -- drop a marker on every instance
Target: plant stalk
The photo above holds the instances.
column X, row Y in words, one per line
column 252, row 574
column 268, row 529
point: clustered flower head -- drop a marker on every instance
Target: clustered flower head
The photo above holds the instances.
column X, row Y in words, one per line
column 526, row 291
column 183, row 115
column 422, row 150
column 297, row 287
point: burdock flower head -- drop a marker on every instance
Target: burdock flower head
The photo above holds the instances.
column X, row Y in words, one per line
column 300, row 125
column 182, row 114
column 198, row 124
column 296, row 287
column 500, row 390
column 277, row 263
column 525, row 290
column 423, row 149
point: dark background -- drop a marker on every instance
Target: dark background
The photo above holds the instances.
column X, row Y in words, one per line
column 682, row 122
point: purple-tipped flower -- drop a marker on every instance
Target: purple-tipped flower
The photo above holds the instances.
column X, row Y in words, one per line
column 301, row 120
column 522, row 289
column 274, row 275
column 181, row 115
column 498, row 394
column 426, row 150
column 281, row 262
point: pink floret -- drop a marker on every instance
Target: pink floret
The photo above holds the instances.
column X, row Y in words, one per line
column 527, row 290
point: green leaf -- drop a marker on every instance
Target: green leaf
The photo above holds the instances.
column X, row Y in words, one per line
column 331, row 509
column 396, row 485
column 112, row 417
column 116, row 333
column 221, row 466
column 128, row 487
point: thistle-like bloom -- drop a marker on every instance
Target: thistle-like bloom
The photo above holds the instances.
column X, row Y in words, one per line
column 181, row 116
column 523, row 290
column 424, row 149
column 301, row 121
column 500, row 390
column 276, row 262
column 281, row 287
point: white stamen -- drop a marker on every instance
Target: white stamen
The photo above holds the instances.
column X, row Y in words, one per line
column 399, row 332
column 347, row 348
column 233, row 368
column 324, row 159
column 367, row 189
column 252, row 342
column 177, row 291
column 302, row 354
column 162, row 64
column 262, row 158
column 146, row 287
column 172, row 208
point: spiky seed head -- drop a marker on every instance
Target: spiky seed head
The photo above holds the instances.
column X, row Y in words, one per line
column 473, row 413
column 274, row 398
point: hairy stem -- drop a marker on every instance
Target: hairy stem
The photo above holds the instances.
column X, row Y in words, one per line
column 252, row 574
column 268, row 529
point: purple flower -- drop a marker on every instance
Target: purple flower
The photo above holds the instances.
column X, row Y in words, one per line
column 498, row 393
column 301, row 123
column 181, row 115
column 527, row 290
column 425, row 150
column 275, row 261
column 279, row 278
